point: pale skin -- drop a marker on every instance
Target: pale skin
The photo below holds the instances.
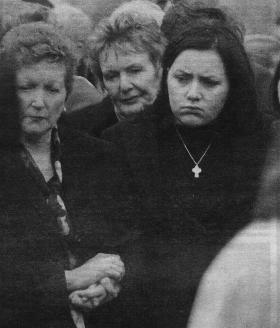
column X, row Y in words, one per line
column 198, row 87
column 41, row 92
column 131, row 80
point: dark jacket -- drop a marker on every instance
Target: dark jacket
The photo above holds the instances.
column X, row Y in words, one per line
column 194, row 218
column 32, row 258
column 93, row 119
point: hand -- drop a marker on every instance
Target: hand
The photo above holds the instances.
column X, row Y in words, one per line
column 95, row 295
column 94, row 270
column 88, row 299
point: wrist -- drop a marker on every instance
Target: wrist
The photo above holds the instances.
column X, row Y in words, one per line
column 72, row 281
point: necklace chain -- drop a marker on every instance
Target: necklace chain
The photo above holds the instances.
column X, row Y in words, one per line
column 191, row 156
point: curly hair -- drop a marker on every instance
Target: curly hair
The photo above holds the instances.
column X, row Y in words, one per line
column 127, row 32
column 26, row 45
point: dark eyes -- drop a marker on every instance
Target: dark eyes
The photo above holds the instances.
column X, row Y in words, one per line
column 109, row 76
column 30, row 87
column 133, row 70
column 204, row 80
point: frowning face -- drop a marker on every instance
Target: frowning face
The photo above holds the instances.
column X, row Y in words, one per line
column 197, row 86
column 131, row 79
column 41, row 93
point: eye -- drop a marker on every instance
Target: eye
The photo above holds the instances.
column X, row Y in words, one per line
column 134, row 69
column 53, row 90
column 109, row 76
column 25, row 87
column 209, row 82
column 182, row 78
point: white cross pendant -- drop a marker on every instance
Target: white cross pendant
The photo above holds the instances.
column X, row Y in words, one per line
column 196, row 170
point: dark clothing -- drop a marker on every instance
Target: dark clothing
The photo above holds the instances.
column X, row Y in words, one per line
column 32, row 257
column 263, row 79
column 93, row 120
column 194, row 217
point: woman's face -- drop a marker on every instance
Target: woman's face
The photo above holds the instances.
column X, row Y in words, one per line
column 131, row 79
column 197, row 87
column 41, row 92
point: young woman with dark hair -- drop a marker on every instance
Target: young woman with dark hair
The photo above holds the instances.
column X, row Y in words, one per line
column 197, row 157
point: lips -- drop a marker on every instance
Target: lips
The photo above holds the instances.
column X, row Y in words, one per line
column 128, row 100
column 191, row 109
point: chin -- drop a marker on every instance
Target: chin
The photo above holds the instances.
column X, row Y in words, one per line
column 131, row 111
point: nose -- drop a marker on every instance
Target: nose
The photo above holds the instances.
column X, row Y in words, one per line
column 194, row 92
column 38, row 99
column 125, row 82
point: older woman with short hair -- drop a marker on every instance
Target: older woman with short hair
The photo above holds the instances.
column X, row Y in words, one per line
column 63, row 219
column 127, row 53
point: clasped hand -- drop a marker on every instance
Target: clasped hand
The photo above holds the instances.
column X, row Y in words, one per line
column 95, row 282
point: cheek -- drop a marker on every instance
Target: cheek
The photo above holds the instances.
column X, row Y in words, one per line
column 218, row 103
column 111, row 88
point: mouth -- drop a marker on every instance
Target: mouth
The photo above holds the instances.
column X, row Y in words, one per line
column 36, row 118
column 128, row 100
column 192, row 110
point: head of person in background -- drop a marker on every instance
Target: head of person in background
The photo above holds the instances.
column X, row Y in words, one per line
column 127, row 53
column 76, row 25
column 263, row 49
column 36, row 79
column 207, row 78
column 143, row 8
column 16, row 12
column 186, row 12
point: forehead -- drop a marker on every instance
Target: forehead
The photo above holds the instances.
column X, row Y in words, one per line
column 202, row 62
column 121, row 58
column 43, row 71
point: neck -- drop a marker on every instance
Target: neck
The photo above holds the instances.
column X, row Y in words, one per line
column 37, row 145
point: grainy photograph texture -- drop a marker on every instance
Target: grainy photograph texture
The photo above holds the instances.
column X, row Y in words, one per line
column 139, row 163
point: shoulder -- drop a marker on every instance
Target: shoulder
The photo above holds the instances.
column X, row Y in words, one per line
column 130, row 130
column 92, row 119
column 79, row 144
column 83, row 94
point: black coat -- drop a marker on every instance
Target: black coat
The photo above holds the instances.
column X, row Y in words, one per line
column 32, row 259
column 193, row 218
column 93, row 120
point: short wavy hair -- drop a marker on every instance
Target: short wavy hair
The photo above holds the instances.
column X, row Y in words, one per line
column 129, row 32
column 26, row 45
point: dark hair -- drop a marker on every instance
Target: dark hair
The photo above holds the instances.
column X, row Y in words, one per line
column 182, row 14
column 24, row 45
column 239, row 114
column 44, row 3
column 127, row 31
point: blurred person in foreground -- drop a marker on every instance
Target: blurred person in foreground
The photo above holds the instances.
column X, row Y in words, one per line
column 241, row 287
column 65, row 208
column 126, row 52
column 264, row 53
column 197, row 155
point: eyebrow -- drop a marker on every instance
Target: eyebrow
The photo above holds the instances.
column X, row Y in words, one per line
column 209, row 76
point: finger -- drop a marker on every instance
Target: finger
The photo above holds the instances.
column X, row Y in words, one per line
column 116, row 275
column 111, row 286
column 92, row 291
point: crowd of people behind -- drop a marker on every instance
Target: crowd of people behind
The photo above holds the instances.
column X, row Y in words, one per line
column 139, row 168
